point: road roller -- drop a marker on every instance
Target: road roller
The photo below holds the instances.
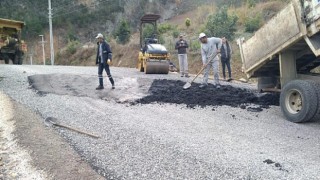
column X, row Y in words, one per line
column 153, row 57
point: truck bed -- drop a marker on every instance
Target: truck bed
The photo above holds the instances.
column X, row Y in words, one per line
column 284, row 31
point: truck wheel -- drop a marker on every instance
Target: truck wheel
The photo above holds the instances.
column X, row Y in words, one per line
column 20, row 61
column 297, row 101
column 316, row 85
column 16, row 60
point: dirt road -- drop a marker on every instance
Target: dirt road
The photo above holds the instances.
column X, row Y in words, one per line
column 145, row 134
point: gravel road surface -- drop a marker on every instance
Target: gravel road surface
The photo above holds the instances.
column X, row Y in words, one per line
column 161, row 140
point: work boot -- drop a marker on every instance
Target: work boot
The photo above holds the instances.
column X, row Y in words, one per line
column 186, row 76
column 113, row 87
column 203, row 86
column 99, row 87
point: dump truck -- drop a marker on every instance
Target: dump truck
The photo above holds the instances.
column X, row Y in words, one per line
column 11, row 46
column 284, row 56
column 153, row 57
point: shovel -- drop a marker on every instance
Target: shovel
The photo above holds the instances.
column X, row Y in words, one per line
column 52, row 121
column 188, row 84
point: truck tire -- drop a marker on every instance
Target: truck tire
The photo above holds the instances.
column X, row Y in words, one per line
column 266, row 82
column 6, row 58
column 20, row 61
column 16, row 60
column 316, row 85
column 298, row 102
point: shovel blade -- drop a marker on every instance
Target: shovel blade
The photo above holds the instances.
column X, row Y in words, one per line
column 49, row 121
column 187, row 85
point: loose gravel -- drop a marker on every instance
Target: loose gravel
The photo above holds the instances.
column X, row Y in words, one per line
column 169, row 141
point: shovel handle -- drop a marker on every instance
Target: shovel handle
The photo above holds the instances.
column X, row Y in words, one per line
column 77, row 130
column 203, row 68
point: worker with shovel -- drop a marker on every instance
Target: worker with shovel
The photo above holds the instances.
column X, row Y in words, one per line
column 210, row 47
column 104, row 57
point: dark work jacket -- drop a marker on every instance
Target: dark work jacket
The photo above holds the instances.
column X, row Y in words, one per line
column 182, row 46
column 107, row 54
column 223, row 51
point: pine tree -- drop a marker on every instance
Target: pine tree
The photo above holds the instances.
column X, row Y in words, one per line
column 123, row 32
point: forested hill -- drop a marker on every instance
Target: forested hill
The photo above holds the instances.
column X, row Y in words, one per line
column 77, row 22
column 83, row 18
column 88, row 16
column 67, row 14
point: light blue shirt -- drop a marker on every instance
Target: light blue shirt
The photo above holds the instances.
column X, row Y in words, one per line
column 100, row 50
column 209, row 49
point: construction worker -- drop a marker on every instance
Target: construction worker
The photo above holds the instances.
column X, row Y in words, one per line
column 226, row 52
column 210, row 47
column 103, row 60
column 181, row 46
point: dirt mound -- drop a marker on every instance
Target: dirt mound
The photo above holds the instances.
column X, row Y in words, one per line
column 169, row 91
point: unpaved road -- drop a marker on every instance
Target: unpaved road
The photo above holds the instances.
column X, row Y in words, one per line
column 141, row 141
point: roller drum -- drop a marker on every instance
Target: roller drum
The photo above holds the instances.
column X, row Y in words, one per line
column 157, row 67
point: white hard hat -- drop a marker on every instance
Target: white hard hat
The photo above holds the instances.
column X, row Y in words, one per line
column 99, row 36
column 201, row 35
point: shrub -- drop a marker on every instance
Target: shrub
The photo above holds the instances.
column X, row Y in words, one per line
column 148, row 31
column 123, row 32
column 253, row 23
column 195, row 45
column 161, row 40
column 175, row 33
column 251, row 3
column 165, row 27
column 222, row 24
column 72, row 47
column 188, row 22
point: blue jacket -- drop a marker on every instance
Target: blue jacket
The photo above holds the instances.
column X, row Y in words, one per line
column 106, row 53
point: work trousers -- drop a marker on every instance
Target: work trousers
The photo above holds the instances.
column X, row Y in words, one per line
column 226, row 62
column 100, row 70
column 215, row 66
column 183, row 64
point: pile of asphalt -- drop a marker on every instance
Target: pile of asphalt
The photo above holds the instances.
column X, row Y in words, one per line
column 170, row 91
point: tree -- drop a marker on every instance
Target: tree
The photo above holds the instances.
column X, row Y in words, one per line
column 221, row 24
column 123, row 32
column 148, row 31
